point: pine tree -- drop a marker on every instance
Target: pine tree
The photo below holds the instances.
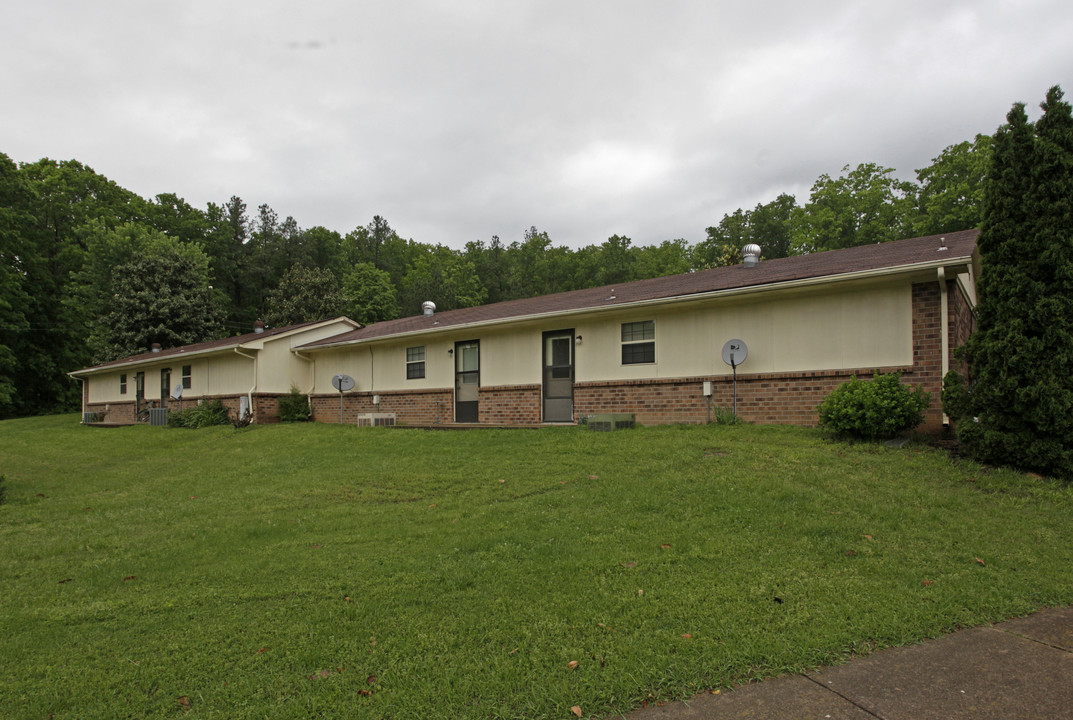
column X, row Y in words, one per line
column 1022, row 353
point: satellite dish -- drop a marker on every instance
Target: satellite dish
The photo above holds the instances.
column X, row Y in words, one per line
column 342, row 383
column 735, row 352
column 177, row 391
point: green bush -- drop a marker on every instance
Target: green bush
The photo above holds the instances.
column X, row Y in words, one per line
column 209, row 413
column 877, row 409
column 294, row 407
column 956, row 397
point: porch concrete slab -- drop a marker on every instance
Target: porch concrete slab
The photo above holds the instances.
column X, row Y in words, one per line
column 978, row 674
column 790, row 697
column 1051, row 627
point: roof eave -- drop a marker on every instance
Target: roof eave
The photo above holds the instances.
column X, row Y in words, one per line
column 254, row 344
column 947, row 262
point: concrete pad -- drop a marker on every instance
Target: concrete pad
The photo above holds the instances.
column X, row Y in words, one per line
column 790, row 697
column 1051, row 627
column 977, row 674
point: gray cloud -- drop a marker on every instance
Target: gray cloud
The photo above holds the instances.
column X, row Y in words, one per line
column 462, row 120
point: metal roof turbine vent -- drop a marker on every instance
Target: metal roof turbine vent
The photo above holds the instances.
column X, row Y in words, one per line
column 155, row 347
column 428, row 308
column 259, row 326
column 750, row 254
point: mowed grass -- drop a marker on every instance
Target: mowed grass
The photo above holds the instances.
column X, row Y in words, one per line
column 323, row 571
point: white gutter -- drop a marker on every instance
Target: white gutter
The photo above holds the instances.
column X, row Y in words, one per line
column 944, row 324
column 145, row 361
column 253, row 389
column 751, row 289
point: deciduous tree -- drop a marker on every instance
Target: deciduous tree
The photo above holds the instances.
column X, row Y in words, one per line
column 305, row 295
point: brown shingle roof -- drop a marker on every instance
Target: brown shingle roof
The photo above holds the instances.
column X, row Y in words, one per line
column 202, row 347
column 891, row 255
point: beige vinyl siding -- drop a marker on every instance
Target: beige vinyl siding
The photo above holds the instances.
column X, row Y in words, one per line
column 105, row 388
column 794, row 331
column 869, row 327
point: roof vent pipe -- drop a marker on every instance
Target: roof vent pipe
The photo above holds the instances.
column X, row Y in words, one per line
column 258, row 326
column 750, row 254
column 155, row 347
column 428, row 308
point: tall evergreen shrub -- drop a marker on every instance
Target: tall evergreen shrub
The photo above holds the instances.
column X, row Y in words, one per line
column 1019, row 406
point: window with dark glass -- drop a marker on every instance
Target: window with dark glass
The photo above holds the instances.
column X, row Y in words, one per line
column 415, row 362
column 638, row 342
column 187, row 377
column 123, row 384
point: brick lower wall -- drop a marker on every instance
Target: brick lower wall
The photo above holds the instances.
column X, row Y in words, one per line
column 116, row 412
column 510, row 404
column 414, row 407
column 775, row 398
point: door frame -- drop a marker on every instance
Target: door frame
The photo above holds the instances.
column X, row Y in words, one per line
column 165, row 386
column 544, row 369
column 466, row 411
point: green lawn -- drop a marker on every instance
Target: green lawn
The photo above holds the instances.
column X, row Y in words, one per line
column 324, row 571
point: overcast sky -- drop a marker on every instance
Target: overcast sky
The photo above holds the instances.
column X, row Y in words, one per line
column 458, row 120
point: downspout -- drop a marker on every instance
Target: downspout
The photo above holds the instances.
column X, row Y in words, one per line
column 944, row 324
column 312, row 375
column 253, row 389
column 372, row 370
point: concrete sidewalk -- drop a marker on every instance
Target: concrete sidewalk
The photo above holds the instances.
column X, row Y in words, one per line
column 1015, row 670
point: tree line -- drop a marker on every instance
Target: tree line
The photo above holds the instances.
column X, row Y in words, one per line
column 90, row 271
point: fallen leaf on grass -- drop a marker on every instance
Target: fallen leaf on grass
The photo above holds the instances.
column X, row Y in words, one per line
column 325, row 673
column 640, row 593
column 665, row 546
column 687, row 636
column 130, row 577
column 184, row 701
column 347, row 598
column 432, row 505
column 715, row 692
column 317, row 546
column 571, row 665
column 926, row 582
column 262, row 650
column 365, row 692
column 606, row 627
column 513, row 651
column 371, row 680
column 851, row 553
column 630, row 564
column 65, row 580
column 502, row 480
column 868, row 537
column 832, row 512
column 576, row 710
column 981, row 562
column 594, row 477
column 193, row 497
